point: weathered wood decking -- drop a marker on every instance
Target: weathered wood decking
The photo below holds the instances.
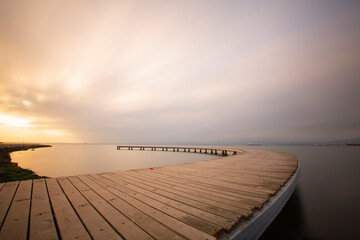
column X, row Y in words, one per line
column 190, row 201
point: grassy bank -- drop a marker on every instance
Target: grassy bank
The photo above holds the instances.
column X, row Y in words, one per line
column 10, row 171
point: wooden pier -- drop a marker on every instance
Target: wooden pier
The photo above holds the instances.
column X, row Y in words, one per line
column 209, row 150
column 197, row 200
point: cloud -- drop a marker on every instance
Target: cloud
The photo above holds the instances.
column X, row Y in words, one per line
column 136, row 72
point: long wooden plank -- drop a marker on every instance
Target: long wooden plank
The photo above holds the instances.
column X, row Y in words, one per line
column 263, row 170
column 170, row 222
column 190, row 180
column 271, row 168
column 94, row 222
column 189, row 219
column 161, row 177
column 227, row 211
column 194, row 176
column 225, row 192
column 17, row 220
column 259, row 190
column 122, row 224
column 180, row 186
column 42, row 224
column 216, row 219
column 6, row 195
column 224, row 167
column 207, row 193
column 253, row 163
column 69, row 224
column 154, row 228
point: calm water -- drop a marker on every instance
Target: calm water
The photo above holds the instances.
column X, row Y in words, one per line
column 325, row 204
column 75, row 159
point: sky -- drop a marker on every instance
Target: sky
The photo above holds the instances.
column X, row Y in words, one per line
column 179, row 72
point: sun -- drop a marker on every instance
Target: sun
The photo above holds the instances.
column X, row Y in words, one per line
column 10, row 121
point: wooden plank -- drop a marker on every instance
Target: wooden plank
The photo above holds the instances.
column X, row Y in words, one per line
column 230, row 212
column 2, row 185
column 194, row 176
column 221, row 171
column 119, row 222
column 69, row 224
column 210, row 194
column 224, row 192
column 263, row 171
column 147, row 223
column 93, row 221
column 206, row 178
column 17, row 220
column 6, row 195
column 191, row 181
column 191, row 220
column 198, row 176
column 42, row 225
column 168, row 221
column 219, row 175
column 216, row 219
column 180, row 186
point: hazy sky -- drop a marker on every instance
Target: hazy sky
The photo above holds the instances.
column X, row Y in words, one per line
column 219, row 72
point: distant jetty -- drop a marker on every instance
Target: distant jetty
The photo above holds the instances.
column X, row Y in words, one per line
column 352, row 144
column 254, row 144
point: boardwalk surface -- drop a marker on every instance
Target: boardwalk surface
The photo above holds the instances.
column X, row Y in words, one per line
column 190, row 201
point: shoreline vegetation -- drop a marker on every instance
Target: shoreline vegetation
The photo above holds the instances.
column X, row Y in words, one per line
column 10, row 171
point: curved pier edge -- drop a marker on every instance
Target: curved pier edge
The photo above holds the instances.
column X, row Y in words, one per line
column 255, row 226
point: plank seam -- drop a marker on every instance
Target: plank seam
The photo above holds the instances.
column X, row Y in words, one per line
column 184, row 191
column 53, row 213
column 12, row 199
column 174, row 230
column 115, row 208
column 186, row 198
column 180, row 220
column 30, row 207
column 131, row 183
column 96, row 208
column 77, row 214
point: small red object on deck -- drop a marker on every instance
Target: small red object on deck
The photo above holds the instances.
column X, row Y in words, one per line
column 151, row 168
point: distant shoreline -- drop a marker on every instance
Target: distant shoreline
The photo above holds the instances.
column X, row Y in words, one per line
column 10, row 171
